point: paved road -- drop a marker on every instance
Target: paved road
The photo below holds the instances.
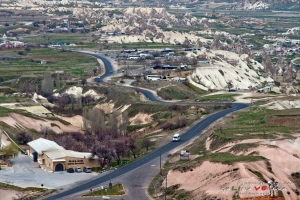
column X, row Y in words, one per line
column 136, row 182
column 194, row 131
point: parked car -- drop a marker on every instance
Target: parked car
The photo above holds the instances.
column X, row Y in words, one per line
column 78, row 169
column 87, row 169
column 70, row 170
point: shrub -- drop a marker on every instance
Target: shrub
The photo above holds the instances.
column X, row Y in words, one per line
column 168, row 126
column 23, row 137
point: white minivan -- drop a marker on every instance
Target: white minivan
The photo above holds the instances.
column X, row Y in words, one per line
column 176, row 138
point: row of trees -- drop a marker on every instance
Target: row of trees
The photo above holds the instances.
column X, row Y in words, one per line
column 105, row 145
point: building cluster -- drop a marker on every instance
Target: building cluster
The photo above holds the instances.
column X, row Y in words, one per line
column 286, row 47
column 62, row 25
column 5, row 43
column 167, row 53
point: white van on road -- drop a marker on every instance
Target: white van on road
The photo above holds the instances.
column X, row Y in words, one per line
column 176, row 137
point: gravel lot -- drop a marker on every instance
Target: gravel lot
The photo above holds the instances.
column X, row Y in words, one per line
column 26, row 173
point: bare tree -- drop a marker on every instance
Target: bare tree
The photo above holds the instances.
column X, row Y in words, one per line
column 27, row 87
column 87, row 99
column 63, row 101
column 113, row 121
column 47, row 83
column 83, row 81
column 57, row 81
column 104, row 154
column 23, row 137
column 120, row 150
column 79, row 102
column 146, row 142
column 131, row 146
column 180, row 122
column 124, row 123
column 72, row 100
column 45, row 130
column 94, row 120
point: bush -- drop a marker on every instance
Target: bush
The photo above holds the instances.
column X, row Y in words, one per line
column 168, row 126
column 179, row 123
column 23, row 138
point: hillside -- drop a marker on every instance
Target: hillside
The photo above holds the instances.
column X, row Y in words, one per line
column 240, row 71
column 226, row 157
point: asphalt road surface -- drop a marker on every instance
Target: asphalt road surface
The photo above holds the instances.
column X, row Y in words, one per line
column 192, row 132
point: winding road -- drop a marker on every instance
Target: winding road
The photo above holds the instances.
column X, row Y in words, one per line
column 191, row 133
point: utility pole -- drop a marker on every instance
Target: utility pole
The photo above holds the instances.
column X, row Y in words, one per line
column 166, row 187
column 110, row 184
column 160, row 163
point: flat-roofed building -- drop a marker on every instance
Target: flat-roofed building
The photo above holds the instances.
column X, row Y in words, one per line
column 56, row 158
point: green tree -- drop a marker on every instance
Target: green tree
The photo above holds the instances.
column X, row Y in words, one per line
column 9, row 151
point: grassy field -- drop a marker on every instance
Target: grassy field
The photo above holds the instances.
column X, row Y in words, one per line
column 14, row 64
column 172, row 90
column 217, row 98
column 228, row 158
column 255, row 123
column 16, row 188
column 59, row 37
column 12, row 98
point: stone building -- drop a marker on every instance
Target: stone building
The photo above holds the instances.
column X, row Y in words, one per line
column 54, row 157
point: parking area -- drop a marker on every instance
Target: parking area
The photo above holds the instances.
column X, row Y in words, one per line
column 26, row 173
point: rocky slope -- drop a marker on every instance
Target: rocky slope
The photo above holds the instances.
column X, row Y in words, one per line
column 228, row 69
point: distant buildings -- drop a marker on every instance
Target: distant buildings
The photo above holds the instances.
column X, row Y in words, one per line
column 10, row 44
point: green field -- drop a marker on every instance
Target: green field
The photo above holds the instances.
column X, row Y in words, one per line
column 23, row 63
column 58, row 37
column 218, row 98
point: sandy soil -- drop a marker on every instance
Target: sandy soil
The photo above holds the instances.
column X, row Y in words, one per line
column 106, row 107
column 281, row 105
column 75, row 120
column 140, row 118
column 37, row 110
column 23, row 122
column 217, row 179
column 8, row 194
